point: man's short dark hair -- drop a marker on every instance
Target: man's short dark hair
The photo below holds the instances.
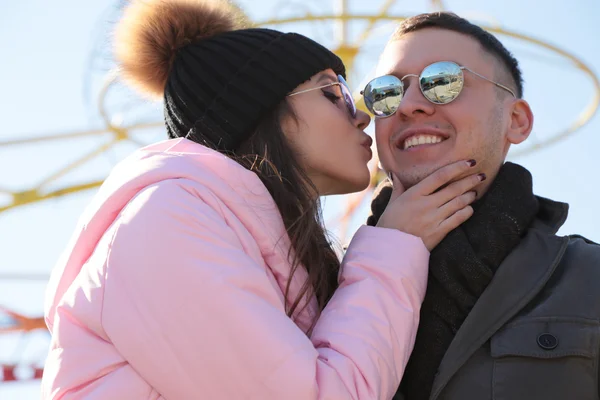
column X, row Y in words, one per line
column 452, row 22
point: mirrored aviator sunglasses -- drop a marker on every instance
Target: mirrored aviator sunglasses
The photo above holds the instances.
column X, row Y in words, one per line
column 440, row 83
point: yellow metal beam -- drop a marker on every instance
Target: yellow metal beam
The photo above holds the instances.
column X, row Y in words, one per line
column 31, row 196
column 79, row 162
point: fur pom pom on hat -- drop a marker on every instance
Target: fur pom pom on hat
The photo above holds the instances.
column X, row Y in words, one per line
column 152, row 31
column 218, row 76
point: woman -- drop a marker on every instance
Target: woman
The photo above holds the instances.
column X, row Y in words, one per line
column 200, row 269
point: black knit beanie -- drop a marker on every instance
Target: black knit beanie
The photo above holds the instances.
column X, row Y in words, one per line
column 218, row 77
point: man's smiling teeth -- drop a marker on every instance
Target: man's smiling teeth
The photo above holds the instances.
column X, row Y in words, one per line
column 420, row 139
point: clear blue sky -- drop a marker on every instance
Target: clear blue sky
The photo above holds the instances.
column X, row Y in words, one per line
column 46, row 48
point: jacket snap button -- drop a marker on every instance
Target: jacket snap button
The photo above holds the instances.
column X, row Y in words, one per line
column 547, row 341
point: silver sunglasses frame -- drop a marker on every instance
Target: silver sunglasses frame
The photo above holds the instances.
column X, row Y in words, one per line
column 419, row 76
column 338, row 83
column 315, row 88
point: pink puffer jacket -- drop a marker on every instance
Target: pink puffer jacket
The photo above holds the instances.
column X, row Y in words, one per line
column 172, row 288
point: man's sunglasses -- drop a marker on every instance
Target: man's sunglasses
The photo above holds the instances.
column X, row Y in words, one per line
column 348, row 99
column 440, row 83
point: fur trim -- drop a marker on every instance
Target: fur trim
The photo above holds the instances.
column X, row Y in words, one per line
column 151, row 32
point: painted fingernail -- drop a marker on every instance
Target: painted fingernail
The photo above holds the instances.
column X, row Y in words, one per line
column 482, row 177
column 471, row 163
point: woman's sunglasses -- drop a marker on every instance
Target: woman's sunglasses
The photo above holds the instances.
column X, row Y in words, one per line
column 440, row 83
column 348, row 99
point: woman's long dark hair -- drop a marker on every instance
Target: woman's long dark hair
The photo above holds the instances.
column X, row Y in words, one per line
column 268, row 153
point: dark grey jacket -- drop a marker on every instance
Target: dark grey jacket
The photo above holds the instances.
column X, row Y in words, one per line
column 535, row 332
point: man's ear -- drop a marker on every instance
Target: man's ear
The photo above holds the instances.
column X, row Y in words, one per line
column 521, row 122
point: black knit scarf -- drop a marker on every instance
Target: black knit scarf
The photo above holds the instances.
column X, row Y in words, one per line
column 462, row 266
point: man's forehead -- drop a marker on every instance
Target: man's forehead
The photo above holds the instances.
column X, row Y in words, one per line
column 415, row 50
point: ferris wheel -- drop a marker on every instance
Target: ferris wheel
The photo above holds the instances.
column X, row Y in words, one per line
column 127, row 122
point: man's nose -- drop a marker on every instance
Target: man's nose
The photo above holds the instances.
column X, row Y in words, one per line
column 413, row 102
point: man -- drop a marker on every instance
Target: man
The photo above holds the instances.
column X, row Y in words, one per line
column 512, row 310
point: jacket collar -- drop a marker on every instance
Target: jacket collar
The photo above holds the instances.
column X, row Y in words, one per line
column 517, row 281
column 551, row 215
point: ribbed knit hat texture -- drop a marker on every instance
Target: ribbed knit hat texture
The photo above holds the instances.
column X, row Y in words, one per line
column 218, row 77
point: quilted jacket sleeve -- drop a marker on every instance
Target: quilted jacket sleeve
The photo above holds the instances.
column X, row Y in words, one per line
column 197, row 318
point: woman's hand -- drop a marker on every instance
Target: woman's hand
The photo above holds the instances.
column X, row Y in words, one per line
column 429, row 212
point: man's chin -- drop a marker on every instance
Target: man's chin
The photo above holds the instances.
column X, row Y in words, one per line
column 414, row 174
column 410, row 177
